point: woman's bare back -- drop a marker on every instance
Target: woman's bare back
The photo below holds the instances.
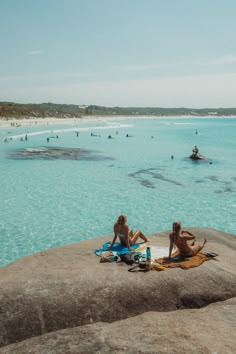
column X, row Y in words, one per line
column 184, row 248
column 181, row 243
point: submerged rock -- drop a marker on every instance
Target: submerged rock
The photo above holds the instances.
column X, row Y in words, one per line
column 197, row 157
column 60, row 153
column 71, row 303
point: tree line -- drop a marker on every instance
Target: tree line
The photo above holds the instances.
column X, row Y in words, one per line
column 43, row 110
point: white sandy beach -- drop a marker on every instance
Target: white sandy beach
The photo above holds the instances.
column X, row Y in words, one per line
column 37, row 121
column 26, row 122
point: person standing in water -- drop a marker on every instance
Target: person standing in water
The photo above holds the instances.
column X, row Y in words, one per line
column 180, row 238
column 195, row 150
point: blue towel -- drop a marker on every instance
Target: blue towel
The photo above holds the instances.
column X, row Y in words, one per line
column 117, row 247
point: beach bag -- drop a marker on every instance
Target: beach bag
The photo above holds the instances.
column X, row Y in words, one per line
column 130, row 258
column 108, row 257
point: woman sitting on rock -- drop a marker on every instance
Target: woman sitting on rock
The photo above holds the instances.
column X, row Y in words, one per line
column 180, row 238
column 126, row 235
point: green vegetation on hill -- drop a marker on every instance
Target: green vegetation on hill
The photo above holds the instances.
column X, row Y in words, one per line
column 43, row 110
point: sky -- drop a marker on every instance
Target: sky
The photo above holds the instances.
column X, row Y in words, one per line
column 129, row 53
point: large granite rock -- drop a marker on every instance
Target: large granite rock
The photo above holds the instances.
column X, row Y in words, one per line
column 72, row 303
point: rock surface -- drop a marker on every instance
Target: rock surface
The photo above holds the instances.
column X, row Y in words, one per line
column 71, row 303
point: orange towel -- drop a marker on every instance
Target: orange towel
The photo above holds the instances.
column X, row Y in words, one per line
column 186, row 263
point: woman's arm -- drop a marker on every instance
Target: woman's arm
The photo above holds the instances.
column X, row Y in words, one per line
column 113, row 241
column 114, row 238
column 171, row 244
column 190, row 236
column 127, row 238
column 187, row 232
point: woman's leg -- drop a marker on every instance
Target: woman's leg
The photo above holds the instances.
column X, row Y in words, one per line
column 198, row 248
column 131, row 233
column 136, row 235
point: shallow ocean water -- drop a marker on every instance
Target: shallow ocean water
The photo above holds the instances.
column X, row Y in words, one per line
column 49, row 200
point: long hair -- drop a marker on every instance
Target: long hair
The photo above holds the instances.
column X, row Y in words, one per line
column 122, row 219
column 176, row 227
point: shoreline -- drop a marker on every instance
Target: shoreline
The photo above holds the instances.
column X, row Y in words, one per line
column 19, row 122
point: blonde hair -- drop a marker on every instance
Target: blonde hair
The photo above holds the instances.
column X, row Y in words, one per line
column 122, row 219
column 176, row 227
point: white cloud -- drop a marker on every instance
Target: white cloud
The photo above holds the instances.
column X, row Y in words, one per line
column 227, row 59
column 189, row 91
column 35, row 52
column 52, row 76
column 186, row 91
column 137, row 67
column 224, row 60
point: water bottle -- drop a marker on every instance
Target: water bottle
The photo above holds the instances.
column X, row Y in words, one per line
column 148, row 258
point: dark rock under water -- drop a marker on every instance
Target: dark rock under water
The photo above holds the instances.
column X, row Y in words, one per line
column 143, row 177
column 56, row 153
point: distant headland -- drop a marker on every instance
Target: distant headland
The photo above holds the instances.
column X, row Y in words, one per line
column 10, row 110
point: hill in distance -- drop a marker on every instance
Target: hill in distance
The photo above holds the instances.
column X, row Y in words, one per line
column 43, row 110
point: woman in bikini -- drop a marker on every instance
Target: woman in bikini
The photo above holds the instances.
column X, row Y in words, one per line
column 126, row 235
column 180, row 238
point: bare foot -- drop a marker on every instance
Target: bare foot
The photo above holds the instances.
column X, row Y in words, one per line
column 145, row 241
column 205, row 241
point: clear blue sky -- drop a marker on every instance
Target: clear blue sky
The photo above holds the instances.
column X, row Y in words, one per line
column 165, row 53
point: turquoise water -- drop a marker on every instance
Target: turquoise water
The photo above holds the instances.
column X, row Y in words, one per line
column 48, row 202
